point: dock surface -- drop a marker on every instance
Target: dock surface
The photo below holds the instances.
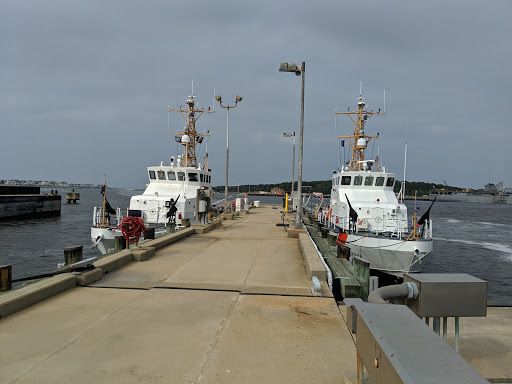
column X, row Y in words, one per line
column 233, row 305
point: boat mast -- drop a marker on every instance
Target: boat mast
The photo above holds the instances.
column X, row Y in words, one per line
column 189, row 137
column 103, row 223
column 359, row 141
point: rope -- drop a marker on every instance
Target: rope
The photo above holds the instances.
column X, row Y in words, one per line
column 132, row 228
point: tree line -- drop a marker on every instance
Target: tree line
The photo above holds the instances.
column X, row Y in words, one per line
column 324, row 186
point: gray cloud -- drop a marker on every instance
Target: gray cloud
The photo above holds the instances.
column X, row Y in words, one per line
column 84, row 86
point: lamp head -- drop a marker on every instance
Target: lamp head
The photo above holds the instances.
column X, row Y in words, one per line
column 238, row 98
column 290, row 67
column 218, row 98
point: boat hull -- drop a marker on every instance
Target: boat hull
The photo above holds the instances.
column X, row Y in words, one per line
column 390, row 255
column 103, row 239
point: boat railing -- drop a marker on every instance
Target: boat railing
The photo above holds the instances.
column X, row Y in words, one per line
column 381, row 224
column 427, row 234
column 99, row 221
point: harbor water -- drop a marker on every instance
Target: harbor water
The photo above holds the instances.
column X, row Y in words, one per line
column 469, row 238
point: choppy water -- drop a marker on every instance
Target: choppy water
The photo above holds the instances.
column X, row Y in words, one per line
column 469, row 238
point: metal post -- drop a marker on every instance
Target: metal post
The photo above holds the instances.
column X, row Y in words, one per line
column 238, row 99
column 226, row 206
column 457, row 334
column 298, row 221
column 293, row 166
column 360, row 368
column 437, row 325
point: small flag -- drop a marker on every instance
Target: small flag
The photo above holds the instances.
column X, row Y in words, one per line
column 318, row 194
column 178, row 139
column 342, row 143
column 416, row 206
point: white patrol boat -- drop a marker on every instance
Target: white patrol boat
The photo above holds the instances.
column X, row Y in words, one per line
column 178, row 193
column 371, row 223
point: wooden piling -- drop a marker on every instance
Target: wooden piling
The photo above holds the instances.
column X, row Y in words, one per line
column 72, row 255
column 150, row 233
column 362, row 275
column 5, row 278
column 342, row 251
column 342, row 272
column 331, row 239
column 119, row 244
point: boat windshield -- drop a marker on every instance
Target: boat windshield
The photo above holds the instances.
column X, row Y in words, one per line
column 181, row 176
column 161, row 175
column 171, row 175
column 368, row 181
column 192, row 177
column 358, row 180
column 390, row 182
column 152, row 175
column 379, row 181
column 345, row 180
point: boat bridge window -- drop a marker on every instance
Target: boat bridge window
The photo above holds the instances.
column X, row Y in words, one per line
column 379, row 181
column 152, row 175
column 390, row 182
column 181, row 176
column 161, row 175
column 192, row 177
column 358, row 180
column 201, row 177
column 345, row 180
column 171, row 175
column 368, row 181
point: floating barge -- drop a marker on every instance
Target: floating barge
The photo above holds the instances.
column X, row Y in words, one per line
column 20, row 201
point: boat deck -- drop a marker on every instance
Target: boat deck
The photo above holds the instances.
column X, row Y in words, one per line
column 230, row 306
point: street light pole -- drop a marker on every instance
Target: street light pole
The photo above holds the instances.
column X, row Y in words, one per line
column 227, row 207
column 299, row 70
column 298, row 224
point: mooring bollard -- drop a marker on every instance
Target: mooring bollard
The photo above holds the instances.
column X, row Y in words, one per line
column 72, row 255
column 5, row 278
column 119, row 244
column 170, row 228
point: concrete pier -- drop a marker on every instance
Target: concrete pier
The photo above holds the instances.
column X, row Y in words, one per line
column 228, row 305
column 18, row 202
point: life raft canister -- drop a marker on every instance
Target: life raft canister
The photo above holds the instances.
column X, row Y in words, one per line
column 342, row 238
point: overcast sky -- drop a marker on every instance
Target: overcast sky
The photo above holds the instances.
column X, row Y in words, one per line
column 85, row 85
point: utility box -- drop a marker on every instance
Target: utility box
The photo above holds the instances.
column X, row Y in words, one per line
column 448, row 295
column 240, row 204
